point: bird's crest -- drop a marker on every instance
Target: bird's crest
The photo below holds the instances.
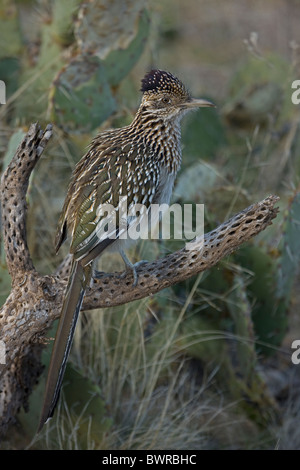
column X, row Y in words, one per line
column 157, row 81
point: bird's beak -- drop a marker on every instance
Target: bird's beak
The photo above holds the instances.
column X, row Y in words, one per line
column 199, row 103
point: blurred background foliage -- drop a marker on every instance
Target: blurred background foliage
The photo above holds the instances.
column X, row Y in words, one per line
column 205, row 364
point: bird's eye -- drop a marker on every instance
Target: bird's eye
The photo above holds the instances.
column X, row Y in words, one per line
column 166, row 100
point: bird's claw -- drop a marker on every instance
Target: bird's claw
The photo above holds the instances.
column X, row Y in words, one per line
column 132, row 269
column 98, row 274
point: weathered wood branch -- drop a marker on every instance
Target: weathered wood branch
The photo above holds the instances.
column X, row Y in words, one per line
column 35, row 300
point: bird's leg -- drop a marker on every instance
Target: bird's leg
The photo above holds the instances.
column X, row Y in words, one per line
column 95, row 273
column 129, row 266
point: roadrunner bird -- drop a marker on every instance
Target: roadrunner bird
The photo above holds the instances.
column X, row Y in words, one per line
column 139, row 162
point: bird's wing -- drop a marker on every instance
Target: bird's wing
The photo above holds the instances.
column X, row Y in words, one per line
column 102, row 195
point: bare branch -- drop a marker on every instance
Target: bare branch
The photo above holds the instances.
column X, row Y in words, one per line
column 183, row 264
column 14, row 184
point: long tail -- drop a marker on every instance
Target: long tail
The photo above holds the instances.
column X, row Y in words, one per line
column 78, row 280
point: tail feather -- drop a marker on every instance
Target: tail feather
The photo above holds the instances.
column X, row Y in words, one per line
column 78, row 280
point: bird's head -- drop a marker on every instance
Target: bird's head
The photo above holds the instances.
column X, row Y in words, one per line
column 166, row 96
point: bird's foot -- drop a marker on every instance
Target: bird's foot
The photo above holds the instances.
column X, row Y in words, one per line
column 130, row 267
column 98, row 274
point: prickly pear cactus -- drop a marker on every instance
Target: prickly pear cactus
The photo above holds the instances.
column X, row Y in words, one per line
column 288, row 263
column 10, row 34
column 87, row 413
column 80, row 96
column 79, row 53
column 245, row 382
column 99, row 31
column 119, row 62
column 259, row 89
